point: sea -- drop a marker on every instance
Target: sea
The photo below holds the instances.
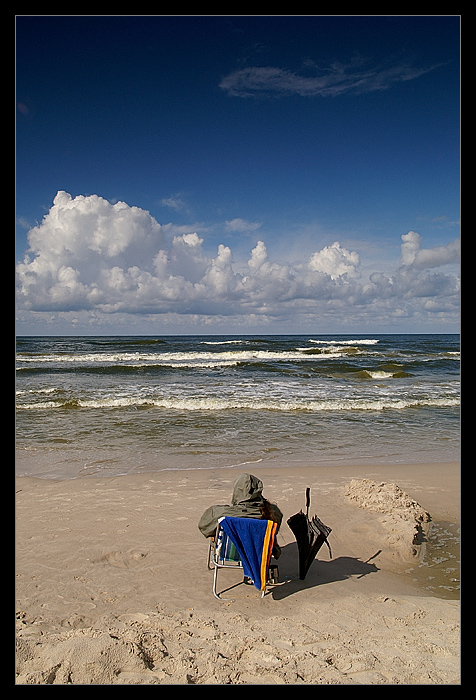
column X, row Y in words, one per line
column 112, row 405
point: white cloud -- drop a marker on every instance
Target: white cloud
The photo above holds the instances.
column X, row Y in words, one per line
column 174, row 202
column 412, row 253
column 91, row 257
column 335, row 261
column 238, row 225
column 330, row 81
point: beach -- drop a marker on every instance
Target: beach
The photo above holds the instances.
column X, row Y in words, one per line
column 112, row 584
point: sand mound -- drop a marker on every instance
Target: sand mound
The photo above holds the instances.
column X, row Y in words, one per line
column 406, row 523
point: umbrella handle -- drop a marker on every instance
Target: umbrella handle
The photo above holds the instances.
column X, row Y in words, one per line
column 308, row 500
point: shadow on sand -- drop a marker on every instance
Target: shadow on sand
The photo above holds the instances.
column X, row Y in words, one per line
column 320, row 573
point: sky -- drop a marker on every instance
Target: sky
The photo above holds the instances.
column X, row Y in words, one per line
column 237, row 174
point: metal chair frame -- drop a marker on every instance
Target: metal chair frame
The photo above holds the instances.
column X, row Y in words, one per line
column 217, row 560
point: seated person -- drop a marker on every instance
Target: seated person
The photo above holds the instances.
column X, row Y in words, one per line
column 246, row 502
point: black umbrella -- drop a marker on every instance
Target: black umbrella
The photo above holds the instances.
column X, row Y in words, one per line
column 310, row 536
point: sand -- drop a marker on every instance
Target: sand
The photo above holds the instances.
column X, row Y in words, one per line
column 112, row 584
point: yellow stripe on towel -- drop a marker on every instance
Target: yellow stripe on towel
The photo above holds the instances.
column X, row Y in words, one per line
column 267, row 549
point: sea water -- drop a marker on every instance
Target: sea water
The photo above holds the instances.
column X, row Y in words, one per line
column 125, row 404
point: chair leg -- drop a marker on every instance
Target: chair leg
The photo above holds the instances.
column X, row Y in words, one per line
column 215, row 572
column 215, row 579
column 211, row 550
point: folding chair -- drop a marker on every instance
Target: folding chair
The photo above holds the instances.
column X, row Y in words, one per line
column 242, row 543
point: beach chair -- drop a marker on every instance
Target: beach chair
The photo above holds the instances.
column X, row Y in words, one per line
column 242, row 543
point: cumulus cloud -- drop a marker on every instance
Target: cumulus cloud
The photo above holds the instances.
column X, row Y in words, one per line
column 413, row 255
column 330, row 81
column 91, row 256
column 335, row 261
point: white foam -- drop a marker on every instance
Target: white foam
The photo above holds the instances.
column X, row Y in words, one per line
column 224, row 342
column 223, row 404
column 21, row 392
column 362, row 341
column 179, row 359
column 379, row 374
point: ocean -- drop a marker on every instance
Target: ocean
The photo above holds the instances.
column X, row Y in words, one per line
column 107, row 406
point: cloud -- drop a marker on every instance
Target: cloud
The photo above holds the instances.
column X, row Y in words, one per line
column 240, row 225
column 413, row 255
column 335, row 261
column 174, row 202
column 337, row 79
column 91, row 256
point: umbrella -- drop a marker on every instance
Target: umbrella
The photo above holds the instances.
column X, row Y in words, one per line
column 310, row 536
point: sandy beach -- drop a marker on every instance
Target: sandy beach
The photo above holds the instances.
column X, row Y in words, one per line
column 112, row 584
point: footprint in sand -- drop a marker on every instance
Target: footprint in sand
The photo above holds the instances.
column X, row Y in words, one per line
column 122, row 560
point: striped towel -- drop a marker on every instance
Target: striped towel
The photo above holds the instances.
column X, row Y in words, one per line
column 228, row 551
column 254, row 540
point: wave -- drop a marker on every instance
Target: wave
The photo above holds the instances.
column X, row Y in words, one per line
column 122, row 340
column 224, row 342
column 22, row 392
column 332, row 351
column 155, row 353
column 178, row 359
column 224, row 404
column 361, row 341
column 382, row 374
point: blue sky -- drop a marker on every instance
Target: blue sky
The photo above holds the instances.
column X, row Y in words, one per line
column 234, row 174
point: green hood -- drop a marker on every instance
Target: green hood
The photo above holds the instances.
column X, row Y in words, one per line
column 247, row 488
column 246, row 502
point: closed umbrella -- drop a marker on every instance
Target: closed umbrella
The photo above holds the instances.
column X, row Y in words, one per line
column 310, row 536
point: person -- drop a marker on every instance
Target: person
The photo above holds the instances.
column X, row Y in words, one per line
column 247, row 502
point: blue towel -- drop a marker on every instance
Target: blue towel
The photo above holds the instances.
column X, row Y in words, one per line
column 254, row 540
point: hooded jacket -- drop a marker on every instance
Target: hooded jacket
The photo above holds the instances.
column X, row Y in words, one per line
column 247, row 502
